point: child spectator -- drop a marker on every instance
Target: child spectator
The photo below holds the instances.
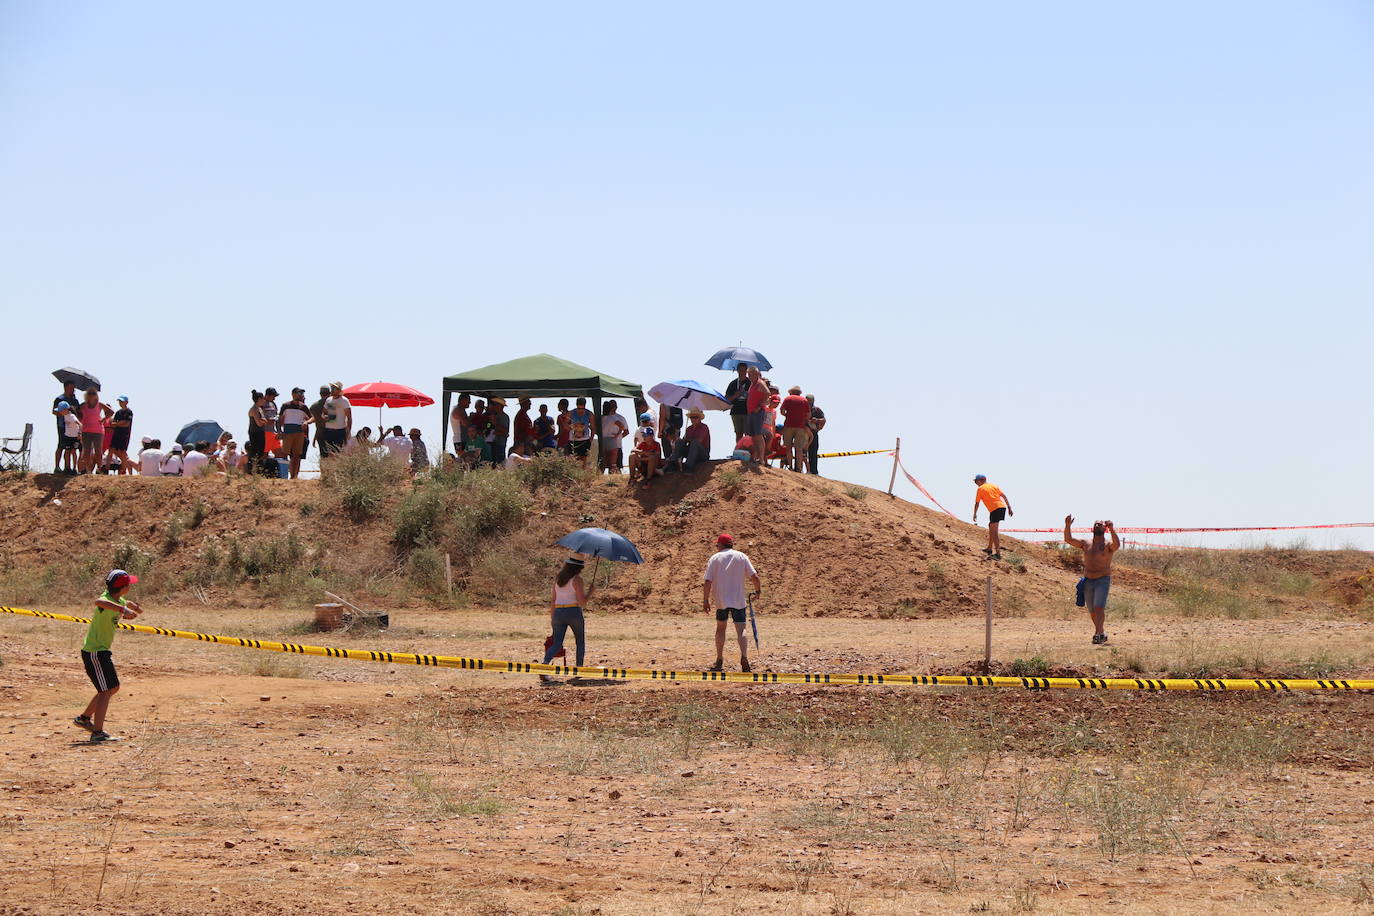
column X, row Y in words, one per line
column 110, row 608
column 564, row 440
column 69, row 442
column 543, row 430
column 580, row 430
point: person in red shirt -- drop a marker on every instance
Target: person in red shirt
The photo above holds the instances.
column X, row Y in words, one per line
column 645, row 456
column 564, row 420
column 796, row 433
column 524, row 426
column 695, row 445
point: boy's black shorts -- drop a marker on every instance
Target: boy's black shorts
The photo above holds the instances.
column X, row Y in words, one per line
column 100, row 669
column 997, row 515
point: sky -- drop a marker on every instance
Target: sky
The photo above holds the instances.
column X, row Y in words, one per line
column 1116, row 257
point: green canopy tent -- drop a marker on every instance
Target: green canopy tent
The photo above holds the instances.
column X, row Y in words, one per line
column 538, row 376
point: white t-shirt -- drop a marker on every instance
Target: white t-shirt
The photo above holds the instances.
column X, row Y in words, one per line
column 336, row 412
column 194, row 463
column 171, row 465
column 150, row 462
column 728, row 572
column 72, row 424
column 610, row 430
column 398, row 445
column 514, row 460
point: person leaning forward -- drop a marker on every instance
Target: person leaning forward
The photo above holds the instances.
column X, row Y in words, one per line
column 727, row 572
column 1097, row 571
column 999, row 507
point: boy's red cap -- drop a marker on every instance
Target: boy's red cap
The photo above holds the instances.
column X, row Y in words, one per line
column 118, row 578
column 724, row 539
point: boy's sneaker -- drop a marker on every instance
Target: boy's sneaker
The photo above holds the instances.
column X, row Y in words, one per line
column 718, row 666
column 1099, row 639
column 84, row 722
column 102, row 737
column 987, row 551
column 996, row 556
column 744, row 665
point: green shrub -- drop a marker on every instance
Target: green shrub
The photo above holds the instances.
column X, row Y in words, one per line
column 420, row 518
column 425, row 569
column 550, row 469
column 133, row 559
column 1035, row 666
column 363, row 481
column 854, row 492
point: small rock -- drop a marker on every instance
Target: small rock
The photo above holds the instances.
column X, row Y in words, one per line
column 228, row 844
column 688, row 773
column 615, row 793
column 264, row 699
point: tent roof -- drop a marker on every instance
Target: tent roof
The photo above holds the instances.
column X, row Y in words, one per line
column 540, row 376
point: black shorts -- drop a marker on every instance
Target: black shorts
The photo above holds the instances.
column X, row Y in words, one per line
column 582, row 447
column 100, row 669
column 725, row 613
column 66, row 442
column 996, row 515
column 119, row 442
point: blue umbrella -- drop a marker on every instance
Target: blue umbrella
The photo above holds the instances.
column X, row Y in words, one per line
column 688, row 395
column 199, row 431
column 600, row 543
column 731, row 357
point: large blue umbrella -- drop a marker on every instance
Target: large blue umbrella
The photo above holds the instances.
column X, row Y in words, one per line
column 731, row 357
column 602, row 544
column 199, row 431
column 688, row 394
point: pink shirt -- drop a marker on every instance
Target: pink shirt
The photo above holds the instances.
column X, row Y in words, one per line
column 92, row 418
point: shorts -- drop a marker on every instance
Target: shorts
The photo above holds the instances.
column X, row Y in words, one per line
column 796, row 436
column 119, row 442
column 93, row 441
column 725, row 613
column 754, row 423
column 334, row 440
column 582, row 447
column 293, row 443
column 66, row 442
column 100, row 669
column 996, row 515
column 1095, row 591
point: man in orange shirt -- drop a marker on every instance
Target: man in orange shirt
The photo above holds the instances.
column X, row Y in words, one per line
column 999, row 507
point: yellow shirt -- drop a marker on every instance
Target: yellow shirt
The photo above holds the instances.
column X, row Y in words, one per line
column 991, row 496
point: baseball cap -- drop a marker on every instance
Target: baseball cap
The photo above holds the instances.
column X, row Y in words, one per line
column 177, row 447
column 124, row 398
column 724, row 539
column 646, row 416
column 980, row 477
column 63, row 405
column 271, row 392
column 118, row 578
column 147, row 440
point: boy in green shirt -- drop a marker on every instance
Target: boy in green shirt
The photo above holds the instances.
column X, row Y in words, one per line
column 110, row 607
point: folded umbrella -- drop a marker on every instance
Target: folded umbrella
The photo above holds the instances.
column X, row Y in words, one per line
column 730, row 357
column 199, row 431
column 688, row 394
column 78, row 377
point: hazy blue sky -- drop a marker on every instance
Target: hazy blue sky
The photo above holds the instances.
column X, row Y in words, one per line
column 1116, row 257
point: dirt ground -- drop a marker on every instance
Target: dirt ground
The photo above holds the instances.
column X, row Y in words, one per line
column 265, row 783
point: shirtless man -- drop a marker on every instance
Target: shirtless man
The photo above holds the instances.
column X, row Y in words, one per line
column 1097, row 570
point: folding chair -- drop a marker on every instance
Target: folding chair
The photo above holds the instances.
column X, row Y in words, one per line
column 16, row 459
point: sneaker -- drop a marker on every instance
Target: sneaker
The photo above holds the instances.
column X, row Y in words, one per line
column 1099, row 639
column 987, row 551
column 718, row 666
column 744, row 665
column 995, row 556
column 84, row 722
column 102, row 737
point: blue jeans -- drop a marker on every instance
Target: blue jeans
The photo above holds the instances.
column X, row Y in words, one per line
column 564, row 619
column 688, row 453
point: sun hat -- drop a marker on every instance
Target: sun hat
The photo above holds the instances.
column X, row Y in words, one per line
column 724, row 539
column 147, row 440
column 338, row 385
column 118, row 578
column 695, row 413
column 177, row 447
column 499, row 401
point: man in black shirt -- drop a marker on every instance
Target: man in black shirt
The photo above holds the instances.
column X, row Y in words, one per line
column 737, row 393
column 816, row 423
column 69, row 395
column 123, row 423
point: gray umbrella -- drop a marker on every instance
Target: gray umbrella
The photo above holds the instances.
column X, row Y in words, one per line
column 78, row 377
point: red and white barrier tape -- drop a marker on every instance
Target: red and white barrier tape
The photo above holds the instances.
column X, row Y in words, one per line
column 917, row 484
column 1150, row 530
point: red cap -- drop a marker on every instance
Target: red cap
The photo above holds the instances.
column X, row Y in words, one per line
column 118, row 579
column 724, row 539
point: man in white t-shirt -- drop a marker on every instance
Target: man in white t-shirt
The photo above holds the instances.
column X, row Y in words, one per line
column 338, row 419
column 172, row 464
column 150, row 459
column 397, row 444
column 517, row 456
column 196, row 460
column 727, row 573
column 613, row 429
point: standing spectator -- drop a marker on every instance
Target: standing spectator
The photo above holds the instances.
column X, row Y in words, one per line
column 458, row 424
column 816, row 423
column 564, row 441
column 499, row 422
column 272, row 442
column 317, row 420
column 122, row 423
column 770, row 425
column 69, row 395
column 758, row 400
column 197, row 461
column 106, row 462
column 150, row 459
column 999, row 507
column 419, row 455
column 256, row 449
column 524, row 428
column 173, row 465
column 796, row 434
column 695, row 445
column 398, row 444
column 293, row 424
column 542, row 430
column 69, row 441
column 613, row 429
column 737, row 393
column 93, row 415
column 338, row 420
column 727, row 572
column 565, row 612
column 580, row 421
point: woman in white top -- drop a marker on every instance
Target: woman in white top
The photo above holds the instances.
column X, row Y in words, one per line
column 565, row 611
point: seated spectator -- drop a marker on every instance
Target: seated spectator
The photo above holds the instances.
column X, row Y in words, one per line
column 172, row 464
column 644, row 457
column 150, row 459
column 229, row 458
column 397, row 444
column 362, row 439
column 695, row 445
column 517, row 456
column 419, row 455
column 197, row 461
column 544, row 431
column 744, row 449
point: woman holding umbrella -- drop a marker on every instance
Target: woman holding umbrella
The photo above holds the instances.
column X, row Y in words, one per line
column 565, row 611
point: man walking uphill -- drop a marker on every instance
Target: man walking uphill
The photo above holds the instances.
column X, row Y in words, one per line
column 999, row 507
column 726, row 575
column 1097, row 572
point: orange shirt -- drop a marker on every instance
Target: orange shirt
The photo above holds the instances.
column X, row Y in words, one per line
column 991, row 496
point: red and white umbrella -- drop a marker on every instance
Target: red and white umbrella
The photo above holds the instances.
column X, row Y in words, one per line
column 385, row 394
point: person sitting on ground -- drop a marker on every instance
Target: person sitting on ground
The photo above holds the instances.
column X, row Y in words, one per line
column 566, row 612
column 362, row 440
column 397, row 444
column 173, row 465
column 230, row 460
column 744, row 450
column 197, row 461
column 1097, row 572
column 419, row 455
column 645, row 456
column 544, row 431
column 150, row 459
column 695, row 445
column 517, row 456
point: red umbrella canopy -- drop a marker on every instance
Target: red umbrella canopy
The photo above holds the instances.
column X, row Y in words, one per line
column 386, row 394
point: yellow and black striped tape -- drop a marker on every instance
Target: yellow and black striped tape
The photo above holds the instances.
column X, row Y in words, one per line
column 872, row 451
column 739, row 677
